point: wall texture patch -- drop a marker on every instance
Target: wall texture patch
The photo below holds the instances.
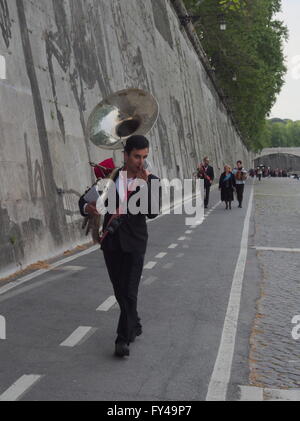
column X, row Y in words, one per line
column 5, row 22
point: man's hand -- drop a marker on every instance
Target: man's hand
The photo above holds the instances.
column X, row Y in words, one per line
column 91, row 209
column 143, row 174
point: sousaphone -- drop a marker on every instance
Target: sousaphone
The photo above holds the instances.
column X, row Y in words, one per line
column 123, row 114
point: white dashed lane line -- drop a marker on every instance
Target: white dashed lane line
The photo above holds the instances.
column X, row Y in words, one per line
column 173, row 246
column 108, row 304
column 80, row 335
column 179, row 255
column 160, row 255
column 181, row 239
column 150, row 265
column 20, row 387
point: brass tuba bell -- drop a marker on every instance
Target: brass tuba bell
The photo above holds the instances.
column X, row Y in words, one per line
column 112, row 121
column 119, row 116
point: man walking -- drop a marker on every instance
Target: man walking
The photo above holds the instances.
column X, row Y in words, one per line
column 240, row 178
column 206, row 173
column 125, row 238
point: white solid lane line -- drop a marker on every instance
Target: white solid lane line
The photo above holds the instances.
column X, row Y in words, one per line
column 288, row 250
column 20, row 387
column 220, row 378
column 78, row 336
column 72, row 268
column 111, row 301
column 33, row 275
column 150, row 265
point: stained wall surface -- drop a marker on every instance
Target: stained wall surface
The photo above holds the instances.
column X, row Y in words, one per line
column 63, row 57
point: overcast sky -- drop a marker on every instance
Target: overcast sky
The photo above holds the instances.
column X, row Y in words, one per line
column 288, row 102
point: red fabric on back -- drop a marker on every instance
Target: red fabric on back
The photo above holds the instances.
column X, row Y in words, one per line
column 107, row 163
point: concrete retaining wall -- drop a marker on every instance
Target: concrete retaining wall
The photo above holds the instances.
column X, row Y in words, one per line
column 62, row 57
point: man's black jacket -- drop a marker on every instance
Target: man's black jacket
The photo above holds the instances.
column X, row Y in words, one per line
column 211, row 175
column 132, row 234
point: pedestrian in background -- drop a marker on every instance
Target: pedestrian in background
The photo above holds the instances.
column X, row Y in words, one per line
column 240, row 175
column 206, row 173
column 259, row 173
column 227, row 185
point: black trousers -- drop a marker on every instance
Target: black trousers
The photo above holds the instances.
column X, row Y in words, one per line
column 206, row 195
column 240, row 192
column 125, row 270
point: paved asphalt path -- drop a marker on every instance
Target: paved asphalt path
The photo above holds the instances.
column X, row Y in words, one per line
column 183, row 301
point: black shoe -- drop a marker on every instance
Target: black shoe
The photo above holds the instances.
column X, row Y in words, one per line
column 138, row 331
column 121, row 350
column 230, row 206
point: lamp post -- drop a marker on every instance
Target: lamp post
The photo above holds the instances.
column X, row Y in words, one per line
column 186, row 19
column 223, row 24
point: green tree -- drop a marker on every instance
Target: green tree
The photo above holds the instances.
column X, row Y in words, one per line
column 281, row 133
column 247, row 58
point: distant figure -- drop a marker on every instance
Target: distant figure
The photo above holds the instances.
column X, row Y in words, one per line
column 240, row 178
column 226, row 185
column 206, row 173
column 259, row 173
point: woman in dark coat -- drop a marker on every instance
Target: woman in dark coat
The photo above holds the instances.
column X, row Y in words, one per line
column 227, row 185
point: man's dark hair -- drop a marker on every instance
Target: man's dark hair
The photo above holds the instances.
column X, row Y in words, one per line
column 136, row 142
column 239, row 162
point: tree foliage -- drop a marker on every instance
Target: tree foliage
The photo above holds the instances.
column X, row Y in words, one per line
column 247, row 58
column 281, row 133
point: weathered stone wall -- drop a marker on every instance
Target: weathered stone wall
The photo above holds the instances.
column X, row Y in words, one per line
column 62, row 58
